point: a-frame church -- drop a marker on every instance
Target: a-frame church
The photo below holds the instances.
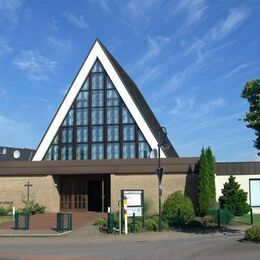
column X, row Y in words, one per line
column 98, row 145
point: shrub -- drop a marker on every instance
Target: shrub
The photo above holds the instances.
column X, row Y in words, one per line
column 253, row 234
column 32, row 208
column 138, row 226
column 225, row 215
column 150, row 224
column 178, row 209
column 5, row 211
column 100, row 222
column 234, row 198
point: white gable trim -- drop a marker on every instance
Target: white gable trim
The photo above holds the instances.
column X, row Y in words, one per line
column 96, row 52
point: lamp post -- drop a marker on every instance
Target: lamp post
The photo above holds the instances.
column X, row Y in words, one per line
column 161, row 141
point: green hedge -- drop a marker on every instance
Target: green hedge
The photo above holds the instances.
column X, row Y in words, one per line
column 253, row 234
column 225, row 215
column 178, row 210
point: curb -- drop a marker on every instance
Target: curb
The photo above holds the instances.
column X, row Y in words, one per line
column 35, row 235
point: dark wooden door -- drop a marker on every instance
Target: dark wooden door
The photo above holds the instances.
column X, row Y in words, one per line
column 73, row 194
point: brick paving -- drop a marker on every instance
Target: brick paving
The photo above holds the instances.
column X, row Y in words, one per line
column 47, row 221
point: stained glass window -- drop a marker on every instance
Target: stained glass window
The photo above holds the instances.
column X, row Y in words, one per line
column 97, row 134
column 127, row 118
column 82, row 151
column 82, row 134
column 112, row 115
column 128, row 150
column 113, row 151
column 97, row 116
column 97, row 151
column 82, row 99
column 82, row 116
column 69, row 119
column 113, row 133
column 67, row 152
column 98, row 81
column 98, row 125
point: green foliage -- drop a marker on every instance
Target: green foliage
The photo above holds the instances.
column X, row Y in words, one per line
column 234, row 198
column 32, row 208
column 5, row 211
column 225, row 216
column 100, row 222
column 211, row 174
column 178, row 209
column 203, row 193
column 152, row 224
column 206, row 182
column 253, row 234
column 251, row 92
column 138, row 226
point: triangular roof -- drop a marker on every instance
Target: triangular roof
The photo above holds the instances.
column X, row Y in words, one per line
column 126, row 88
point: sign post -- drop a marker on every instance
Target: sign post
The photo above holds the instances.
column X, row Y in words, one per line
column 125, row 215
column 119, row 216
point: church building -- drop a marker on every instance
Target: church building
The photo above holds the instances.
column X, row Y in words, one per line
column 103, row 140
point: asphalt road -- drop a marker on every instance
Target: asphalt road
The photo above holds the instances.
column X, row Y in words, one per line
column 188, row 247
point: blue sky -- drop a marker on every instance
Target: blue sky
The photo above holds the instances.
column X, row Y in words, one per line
column 190, row 59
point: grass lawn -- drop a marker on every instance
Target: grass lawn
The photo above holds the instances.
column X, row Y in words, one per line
column 4, row 219
column 246, row 219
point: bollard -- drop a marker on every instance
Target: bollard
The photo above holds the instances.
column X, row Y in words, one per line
column 110, row 223
column 218, row 218
column 251, row 217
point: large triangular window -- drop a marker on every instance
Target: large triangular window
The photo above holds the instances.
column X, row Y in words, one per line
column 98, row 125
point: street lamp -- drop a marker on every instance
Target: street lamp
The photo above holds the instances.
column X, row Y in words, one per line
column 161, row 141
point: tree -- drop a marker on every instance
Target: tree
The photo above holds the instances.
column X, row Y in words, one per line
column 251, row 92
column 234, row 198
column 206, row 182
column 211, row 174
column 203, row 191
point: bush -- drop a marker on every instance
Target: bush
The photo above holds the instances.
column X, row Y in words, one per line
column 32, row 208
column 100, row 222
column 5, row 211
column 138, row 226
column 152, row 224
column 253, row 234
column 178, row 209
column 234, row 198
column 225, row 215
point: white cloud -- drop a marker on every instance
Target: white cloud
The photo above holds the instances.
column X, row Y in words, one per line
column 191, row 10
column 101, row 3
column 236, row 70
column 78, row 21
column 213, row 105
column 61, row 44
column 36, row 66
column 9, row 9
column 155, row 47
column 4, row 46
column 233, row 21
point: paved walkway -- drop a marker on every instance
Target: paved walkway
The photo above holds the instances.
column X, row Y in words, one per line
column 46, row 223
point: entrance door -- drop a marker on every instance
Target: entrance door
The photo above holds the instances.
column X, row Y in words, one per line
column 95, row 195
column 73, row 194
